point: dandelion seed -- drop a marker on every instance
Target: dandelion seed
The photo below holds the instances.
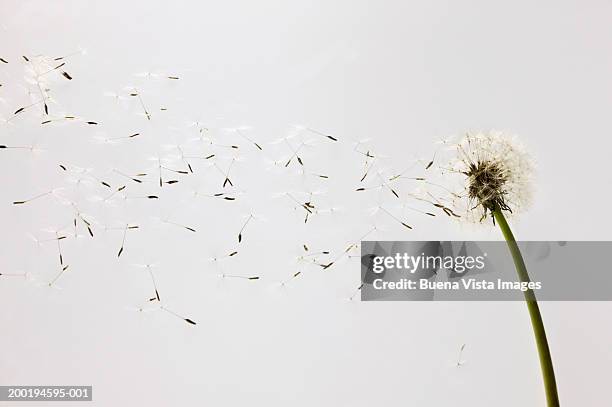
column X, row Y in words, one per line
column 241, row 134
column 58, row 275
column 34, row 198
column 25, row 275
column 189, row 321
column 133, row 178
column 318, row 132
column 125, row 230
column 356, row 292
column 149, row 267
column 243, row 227
column 24, row 108
column 189, row 228
column 251, row 278
column 135, row 93
column 460, row 361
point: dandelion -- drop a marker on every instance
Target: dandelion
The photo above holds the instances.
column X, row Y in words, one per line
column 496, row 172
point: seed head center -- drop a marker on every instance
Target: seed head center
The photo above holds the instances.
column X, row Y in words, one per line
column 486, row 182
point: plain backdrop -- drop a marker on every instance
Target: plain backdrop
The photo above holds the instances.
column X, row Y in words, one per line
column 400, row 73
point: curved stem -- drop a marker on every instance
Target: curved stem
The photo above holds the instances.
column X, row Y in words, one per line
column 548, row 373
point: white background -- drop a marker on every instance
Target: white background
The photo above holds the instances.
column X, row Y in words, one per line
column 401, row 73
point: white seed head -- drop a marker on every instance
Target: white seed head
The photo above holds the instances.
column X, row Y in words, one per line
column 494, row 172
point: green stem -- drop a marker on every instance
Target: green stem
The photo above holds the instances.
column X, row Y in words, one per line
column 546, row 364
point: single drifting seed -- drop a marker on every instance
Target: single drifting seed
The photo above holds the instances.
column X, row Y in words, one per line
column 184, row 159
column 59, row 247
column 24, row 108
column 356, row 292
column 52, row 239
column 33, row 198
column 31, row 147
column 232, row 254
column 401, row 176
column 189, row 321
column 242, row 228
column 429, row 164
column 119, row 189
column 79, row 52
column 131, row 136
column 161, row 182
column 179, row 225
column 252, row 278
column 460, row 362
column 249, row 139
column 133, row 178
column 418, row 210
column 157, row 297
column 386, row 185
column 293, row 276
column 125, row 229
column 102, row 182
column 321, row 134
column 232, row 146
column 367, row 154
column 14, row 275
column 135, row 93
column 370, row 160
column 58, row 275
column 122, row 242
column 175, row 171
column 395, row 217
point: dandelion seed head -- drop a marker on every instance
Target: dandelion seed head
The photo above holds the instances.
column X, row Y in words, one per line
column 496, row 172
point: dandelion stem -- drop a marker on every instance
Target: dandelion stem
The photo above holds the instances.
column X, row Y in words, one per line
column 546, row 364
